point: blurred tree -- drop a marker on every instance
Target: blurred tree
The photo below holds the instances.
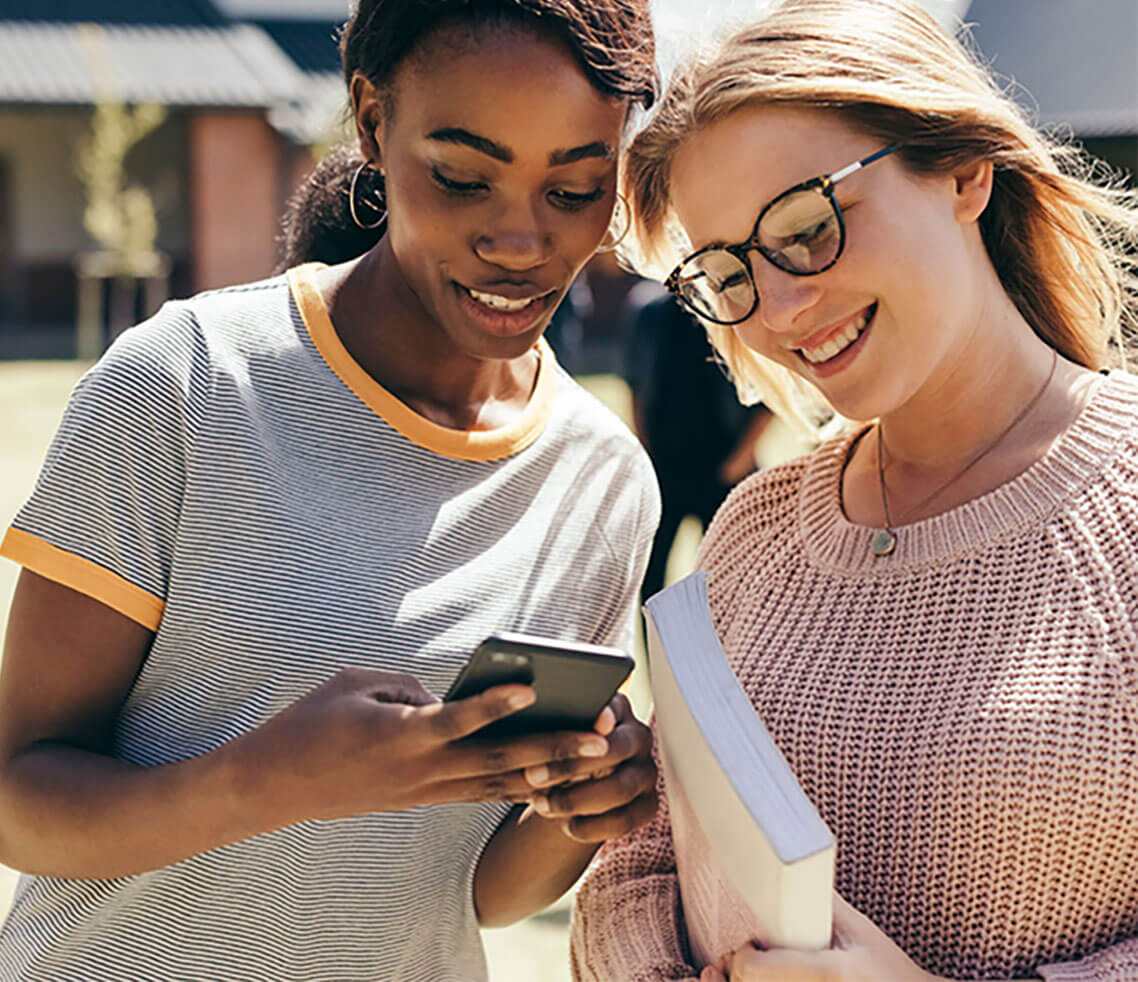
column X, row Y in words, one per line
column 119, row 216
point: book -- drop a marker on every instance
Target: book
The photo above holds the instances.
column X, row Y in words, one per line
column 754, row 859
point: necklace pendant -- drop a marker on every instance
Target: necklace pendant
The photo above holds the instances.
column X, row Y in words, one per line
column 883, row 542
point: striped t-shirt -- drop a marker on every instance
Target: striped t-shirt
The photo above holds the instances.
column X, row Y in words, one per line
column 228, row 476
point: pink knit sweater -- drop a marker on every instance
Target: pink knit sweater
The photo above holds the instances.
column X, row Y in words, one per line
column 964, row 713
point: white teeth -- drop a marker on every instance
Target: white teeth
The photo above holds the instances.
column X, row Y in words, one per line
column 837, row 343
column 499, row 303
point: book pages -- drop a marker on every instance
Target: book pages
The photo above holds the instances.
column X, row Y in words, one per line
column 754, row 860
column 717, row 918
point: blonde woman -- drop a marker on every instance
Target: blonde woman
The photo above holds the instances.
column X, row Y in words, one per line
column 936, row 613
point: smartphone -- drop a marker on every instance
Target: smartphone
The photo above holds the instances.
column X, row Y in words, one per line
column 573, row 682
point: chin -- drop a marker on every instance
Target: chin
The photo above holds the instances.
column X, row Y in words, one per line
column 490, row 347
column 480, row 342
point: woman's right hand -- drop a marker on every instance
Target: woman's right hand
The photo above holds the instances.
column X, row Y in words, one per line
column 371, row 741
column 363, row 741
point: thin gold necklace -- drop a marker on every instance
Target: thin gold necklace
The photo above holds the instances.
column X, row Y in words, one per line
column 884, row 540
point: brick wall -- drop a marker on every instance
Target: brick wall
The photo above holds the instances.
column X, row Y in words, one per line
column 235, row 197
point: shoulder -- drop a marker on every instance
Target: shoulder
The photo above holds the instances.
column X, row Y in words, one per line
column 155, row 361
column 766, row 499
column 1105, row 438
column 582, row 416
column 197, row 322
column 588, row 430
column 172, row 356
column 249, row 315
column 1106, row 445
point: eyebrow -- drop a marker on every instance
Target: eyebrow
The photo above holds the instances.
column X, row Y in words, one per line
column 453, row 134
column 598, row 148
column 558, row 158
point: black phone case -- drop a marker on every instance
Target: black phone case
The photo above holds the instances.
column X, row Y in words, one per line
column 573, row 682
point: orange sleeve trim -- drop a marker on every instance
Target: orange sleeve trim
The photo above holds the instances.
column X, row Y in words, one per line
column 481, row 445
column 83, row 576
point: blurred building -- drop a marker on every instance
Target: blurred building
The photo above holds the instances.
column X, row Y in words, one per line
column 248, row 91
column 252, row 87
column 1073, row 65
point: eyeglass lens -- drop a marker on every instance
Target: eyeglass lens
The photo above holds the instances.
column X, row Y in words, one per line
column 799, row 233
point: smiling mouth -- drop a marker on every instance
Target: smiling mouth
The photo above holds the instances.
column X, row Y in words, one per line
column 505, row 316
column 840, row 340
column 497, row 302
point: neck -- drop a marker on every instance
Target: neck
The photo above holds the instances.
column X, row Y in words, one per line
column 398, row 343
column 953, row 439
column 977, row 391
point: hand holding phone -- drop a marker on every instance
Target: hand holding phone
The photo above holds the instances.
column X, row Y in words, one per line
column 573, row 682
column 591, row 798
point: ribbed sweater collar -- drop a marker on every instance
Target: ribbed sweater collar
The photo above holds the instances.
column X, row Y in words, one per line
column 833, row 542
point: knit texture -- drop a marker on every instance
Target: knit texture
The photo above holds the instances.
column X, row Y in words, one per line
column 964, row 713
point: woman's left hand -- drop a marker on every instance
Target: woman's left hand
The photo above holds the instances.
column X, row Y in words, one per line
column 601, row 798
column 862, row 953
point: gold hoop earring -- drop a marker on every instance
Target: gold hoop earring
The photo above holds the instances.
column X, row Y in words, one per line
column 621, row 206
column 371, row 204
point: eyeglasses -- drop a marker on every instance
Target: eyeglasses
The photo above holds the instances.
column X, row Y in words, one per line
column 801, row 232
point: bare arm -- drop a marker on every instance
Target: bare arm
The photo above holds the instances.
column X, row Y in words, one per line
column 69, row 662
column 526, row 866
column 362, row 742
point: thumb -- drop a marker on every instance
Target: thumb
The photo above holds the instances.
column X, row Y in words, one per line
column 850, row 925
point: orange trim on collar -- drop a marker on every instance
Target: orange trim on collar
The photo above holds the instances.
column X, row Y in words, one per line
column 479, row 445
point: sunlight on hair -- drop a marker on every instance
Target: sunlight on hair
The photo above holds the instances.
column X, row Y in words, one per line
column 685, row 26
column 1060, row 230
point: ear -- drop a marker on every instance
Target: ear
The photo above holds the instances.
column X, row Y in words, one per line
column 973, row 190
column 367, row 110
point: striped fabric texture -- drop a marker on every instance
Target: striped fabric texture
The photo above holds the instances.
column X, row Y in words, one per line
column 230, row 478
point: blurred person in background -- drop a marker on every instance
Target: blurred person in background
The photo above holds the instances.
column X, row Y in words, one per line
column 935, row 613
column 277, row 518
column 701, row 438
column 566, row 332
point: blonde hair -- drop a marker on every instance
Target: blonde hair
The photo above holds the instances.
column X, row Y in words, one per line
column 1058, row 228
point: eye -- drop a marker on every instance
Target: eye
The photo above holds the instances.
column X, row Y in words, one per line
column 811, row 233
column 733, row 281
column 574, row 201
column 460, row 188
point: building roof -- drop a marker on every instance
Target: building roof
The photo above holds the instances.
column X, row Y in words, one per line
column 167, row 13
column 329, row 10
column 179, row 53
column 1076, row 61
column 312, row 44
column 237, row 65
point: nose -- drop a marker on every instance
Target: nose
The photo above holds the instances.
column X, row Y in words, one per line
column 518, row 241
column 783, row 297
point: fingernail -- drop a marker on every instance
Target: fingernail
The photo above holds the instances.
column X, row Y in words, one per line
column 593, row 748
column 541, row 804
column 519, row 700
column 537, row 776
